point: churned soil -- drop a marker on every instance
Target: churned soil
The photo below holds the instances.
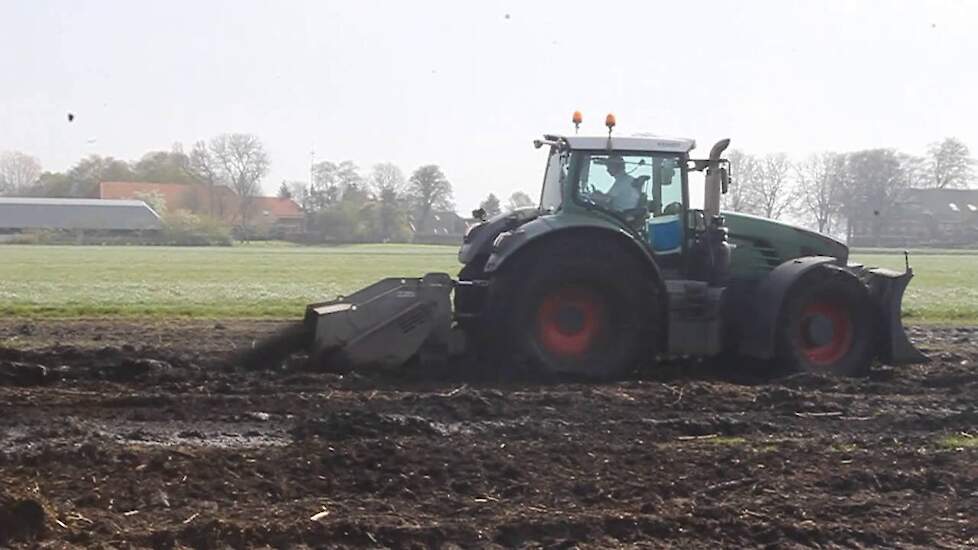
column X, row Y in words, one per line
column 116, row 433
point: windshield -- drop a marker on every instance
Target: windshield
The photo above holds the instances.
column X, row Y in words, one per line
column 630, row 183
column 550, row 196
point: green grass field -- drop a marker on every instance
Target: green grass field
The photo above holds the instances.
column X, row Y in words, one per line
column 944, row 288
column 242, row 281
column 258, row 280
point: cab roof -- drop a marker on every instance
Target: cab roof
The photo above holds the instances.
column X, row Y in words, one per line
column 642, row 143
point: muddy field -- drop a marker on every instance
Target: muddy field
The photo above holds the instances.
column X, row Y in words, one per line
column 123, row 434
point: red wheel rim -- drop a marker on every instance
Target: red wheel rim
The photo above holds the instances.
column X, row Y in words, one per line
column 836, row 321
column 569, row 321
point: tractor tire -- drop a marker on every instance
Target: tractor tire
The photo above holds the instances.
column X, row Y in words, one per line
column 580, row 306
column 829, row 325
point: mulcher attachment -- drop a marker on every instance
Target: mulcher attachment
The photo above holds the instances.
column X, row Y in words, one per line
column 386, row 324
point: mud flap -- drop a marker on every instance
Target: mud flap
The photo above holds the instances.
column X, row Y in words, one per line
column 886, row 287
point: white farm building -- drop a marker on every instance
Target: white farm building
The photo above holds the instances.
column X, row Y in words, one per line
column 95, row 215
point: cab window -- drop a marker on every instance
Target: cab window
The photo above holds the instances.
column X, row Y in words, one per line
column 627, row 182
column 615, row 182
column 553, row 179
column 666, row 191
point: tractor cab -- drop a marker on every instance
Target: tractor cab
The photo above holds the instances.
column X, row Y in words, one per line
column 637, row 183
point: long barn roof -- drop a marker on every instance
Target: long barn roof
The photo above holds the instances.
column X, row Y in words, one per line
column 88, row 214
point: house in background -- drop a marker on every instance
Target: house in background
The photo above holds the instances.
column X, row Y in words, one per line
column 265, row 214
column 439, row 227
column 281, row 216
column 925, row 217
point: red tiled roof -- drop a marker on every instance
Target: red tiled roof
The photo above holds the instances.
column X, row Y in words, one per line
column 179, row 196
column 176, row 195
column 172, row 193
column 277, row 207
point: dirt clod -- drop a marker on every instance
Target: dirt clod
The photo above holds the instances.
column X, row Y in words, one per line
column 21, row 519
column 22, row 374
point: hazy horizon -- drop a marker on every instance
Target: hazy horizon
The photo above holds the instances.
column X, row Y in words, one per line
column 469, row 86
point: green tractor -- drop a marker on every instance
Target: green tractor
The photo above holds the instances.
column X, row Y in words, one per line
column 615, row 268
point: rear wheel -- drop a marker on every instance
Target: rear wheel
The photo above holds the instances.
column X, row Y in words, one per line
column 829, row 325
column 584, row 307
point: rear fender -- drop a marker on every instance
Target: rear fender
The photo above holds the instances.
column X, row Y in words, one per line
column 760, row 320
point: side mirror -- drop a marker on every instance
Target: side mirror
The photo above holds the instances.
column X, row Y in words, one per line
column 479, row 214
column 724, row 181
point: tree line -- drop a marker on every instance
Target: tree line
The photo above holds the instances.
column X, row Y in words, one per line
column 829, row 191
column 340, row 202
column 826, row 191
column 383, row 205
column 343, row 204
column 238, row 161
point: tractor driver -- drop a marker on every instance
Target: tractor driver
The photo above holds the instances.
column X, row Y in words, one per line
column 623, row 194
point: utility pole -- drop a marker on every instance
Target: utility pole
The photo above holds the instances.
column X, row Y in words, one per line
column 312, row 175
column 312, row 166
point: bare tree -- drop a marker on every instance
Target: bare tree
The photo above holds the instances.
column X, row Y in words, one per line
column 819, row 178
column 18, row 172
column 323, row 189
column 428, row 190
column 387, row 179
column 348, row 177
column 773, row 190
column 873, row 183
column 950, row 164
column 916, row 170
column 745, row 170
column 387, row 183
column 517, row 200
column 330, row 181
column 299, row 192
column 243, row 163
column 206, row 169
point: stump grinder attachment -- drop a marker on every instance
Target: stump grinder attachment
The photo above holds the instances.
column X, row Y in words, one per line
column 386, row 324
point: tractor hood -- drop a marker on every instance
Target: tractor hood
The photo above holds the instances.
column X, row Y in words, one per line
column 763, row 244
column 479, row 237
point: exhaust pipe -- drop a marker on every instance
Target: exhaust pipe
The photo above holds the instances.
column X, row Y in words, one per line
column 715, row 181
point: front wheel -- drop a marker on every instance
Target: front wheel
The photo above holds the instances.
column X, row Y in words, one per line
column 586, row 308
column 829, row 325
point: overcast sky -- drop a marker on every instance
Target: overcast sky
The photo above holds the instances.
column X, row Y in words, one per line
column 468, row 85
